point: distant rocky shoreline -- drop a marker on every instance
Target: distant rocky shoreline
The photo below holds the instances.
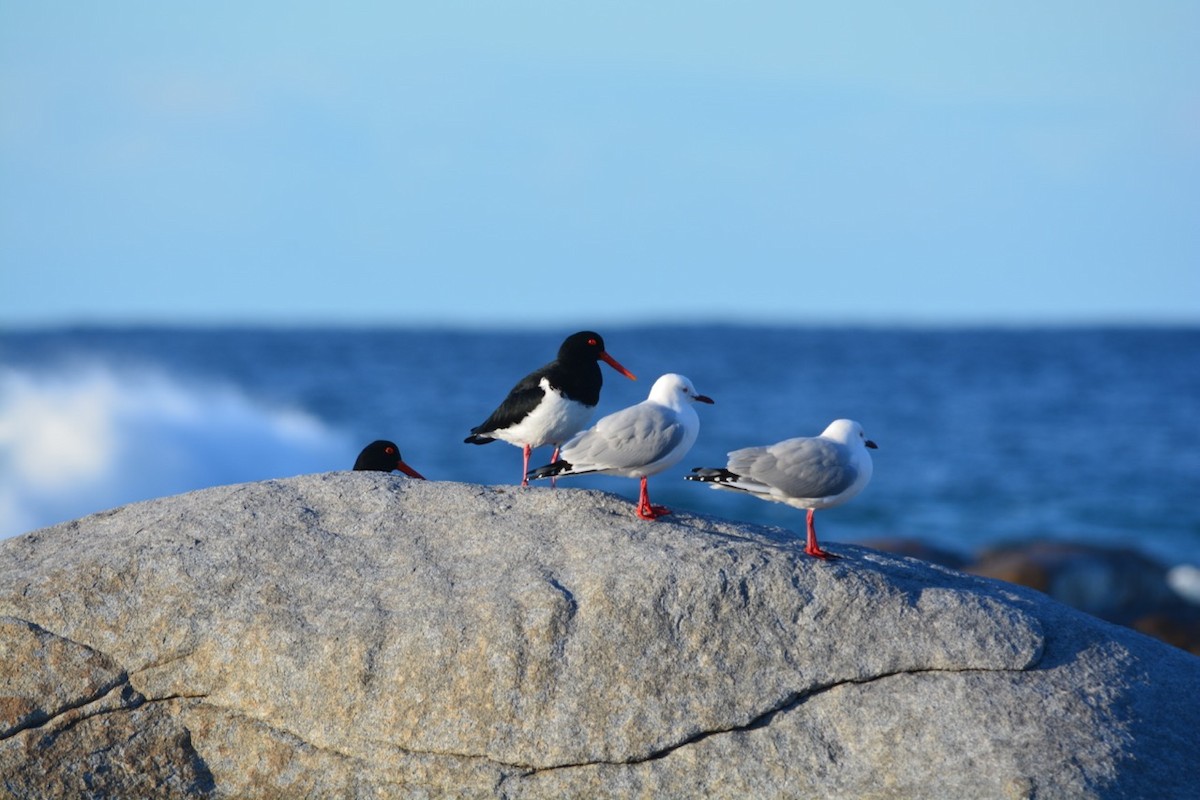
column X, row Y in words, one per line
column 362, row 635
column 1115, row 584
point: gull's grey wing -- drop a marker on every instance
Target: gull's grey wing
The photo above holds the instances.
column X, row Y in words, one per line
column 800, row 468
column 627, row 439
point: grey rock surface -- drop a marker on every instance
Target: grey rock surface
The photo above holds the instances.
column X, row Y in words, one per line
column 363, row 635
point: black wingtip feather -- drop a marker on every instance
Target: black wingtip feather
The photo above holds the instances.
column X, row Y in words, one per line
column 548, row 471
column 711, row 475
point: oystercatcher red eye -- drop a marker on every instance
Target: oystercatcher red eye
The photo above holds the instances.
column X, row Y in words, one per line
column 592, row 342
column 391, row 451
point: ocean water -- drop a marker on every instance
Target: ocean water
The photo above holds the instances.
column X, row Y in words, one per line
column 985, row 436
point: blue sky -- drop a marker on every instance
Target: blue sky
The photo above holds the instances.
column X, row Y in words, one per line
column 528, row 164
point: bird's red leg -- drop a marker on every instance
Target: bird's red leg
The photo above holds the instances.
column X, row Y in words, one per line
column 644, row 509
column 553, row 458
column 525, row 468
column 811, row 547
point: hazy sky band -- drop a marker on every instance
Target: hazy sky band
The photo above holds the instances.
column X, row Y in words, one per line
column 535, row 163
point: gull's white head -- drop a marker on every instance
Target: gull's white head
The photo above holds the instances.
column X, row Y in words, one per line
column 676, row 390
column 847, row 431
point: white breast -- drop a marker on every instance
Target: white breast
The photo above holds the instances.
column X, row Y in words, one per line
column 553, row 421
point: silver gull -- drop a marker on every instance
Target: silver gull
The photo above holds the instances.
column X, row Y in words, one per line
column 638, row 441
column 808, row 472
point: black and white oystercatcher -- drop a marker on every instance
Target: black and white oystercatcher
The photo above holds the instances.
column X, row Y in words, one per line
column 809, row 472
column 551, row 404
column 638, row 441
column 383, row 456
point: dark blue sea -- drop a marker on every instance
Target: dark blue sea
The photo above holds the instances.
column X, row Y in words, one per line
column 985, row 436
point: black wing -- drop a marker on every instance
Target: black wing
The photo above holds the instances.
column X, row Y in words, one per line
column 523, row 398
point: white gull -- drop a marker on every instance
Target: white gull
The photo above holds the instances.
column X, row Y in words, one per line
column 807, row 472
column 637, row 441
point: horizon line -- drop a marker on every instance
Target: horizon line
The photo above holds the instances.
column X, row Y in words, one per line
column 687, row 321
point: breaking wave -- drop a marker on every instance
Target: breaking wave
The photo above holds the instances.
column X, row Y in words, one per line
column 80, row 439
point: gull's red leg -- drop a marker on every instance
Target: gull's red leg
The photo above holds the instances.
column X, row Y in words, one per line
column 644, row 509
column 811, row 547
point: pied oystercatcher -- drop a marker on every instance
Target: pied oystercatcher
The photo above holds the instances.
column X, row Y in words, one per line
column 383, row 456
column 553, row 403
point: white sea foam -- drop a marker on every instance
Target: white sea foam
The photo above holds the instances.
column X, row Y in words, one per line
column 82, row 439
column 1184, row 579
